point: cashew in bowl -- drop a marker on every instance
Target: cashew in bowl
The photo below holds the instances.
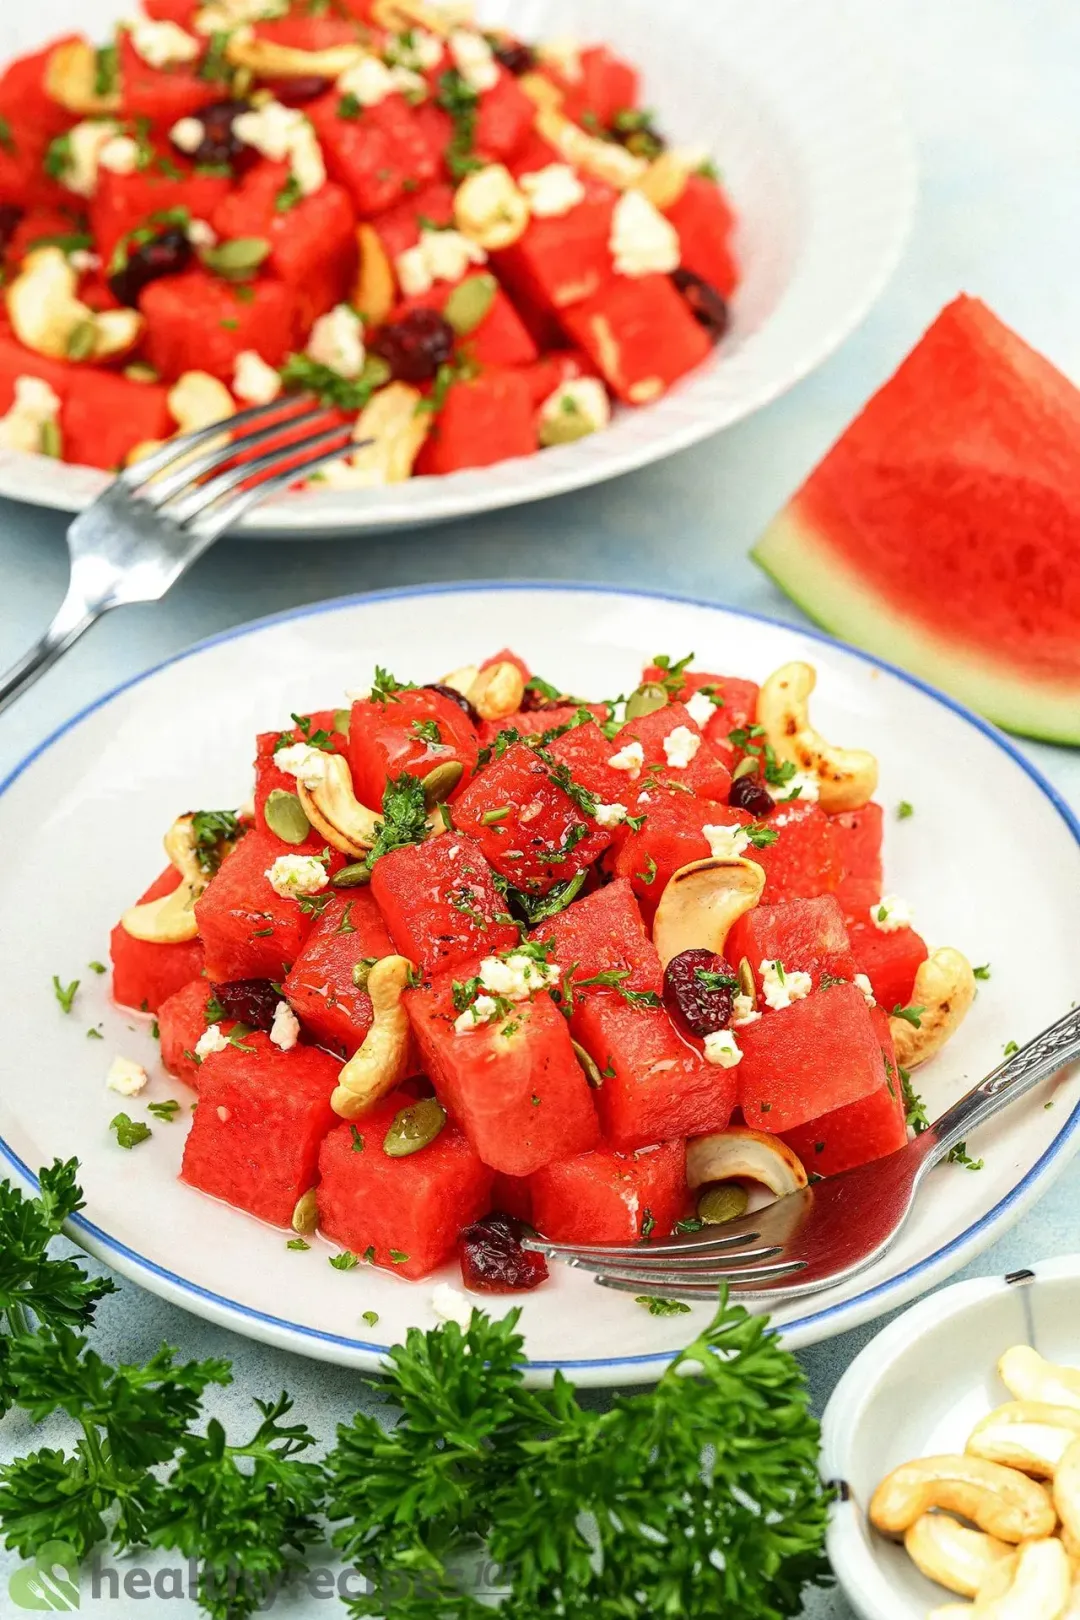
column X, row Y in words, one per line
column 382, row 1062
column 498, row 691
column 336, row 813
column 392, row 420
column 951, row 1554
column 464, row 679
column 1028, row 1377
column 268, row 59
column 71, row 80
column 1004, row 1503
column 170, row 920
column 50, row 318
column 604, row 160
column 1027, row 1435
column 196, row 400
column 702, row 902
column 490, row 209
column 944, row 990
column 665, row 180
column 742, row 1155
column 375, row 292
column 1067, row 1491
column 1039, row 1589
column 847, row 777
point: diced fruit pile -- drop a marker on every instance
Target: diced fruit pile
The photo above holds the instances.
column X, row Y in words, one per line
column 467, row 244
column 480, row 953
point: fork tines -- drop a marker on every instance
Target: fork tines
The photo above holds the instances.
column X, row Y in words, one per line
column 687, row 1270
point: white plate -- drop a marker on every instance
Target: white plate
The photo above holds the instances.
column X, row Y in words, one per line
column 918, row 1390
column 819, row 165
column 990, row 860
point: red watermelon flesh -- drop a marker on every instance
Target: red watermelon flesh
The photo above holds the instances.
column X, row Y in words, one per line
column 807, row 936
column 514, row 1086
column 869, row 1129
column 857, row 837
column 609, row 1197
column 943, row 529
column 414, row 733
column 586, row 753
column 601, row 932
column 440, row 903
column 255, row 1136
column 890, row 961
column 803, row 862
column 737, row 709
column 409, row 1211
column 249, row 931
column 321, row 988
column 267, row 775
column 670, row 837
column 808, row 1059
column 706, row 774
column 181, row 1021
column 145, row 974
column 512, row 1195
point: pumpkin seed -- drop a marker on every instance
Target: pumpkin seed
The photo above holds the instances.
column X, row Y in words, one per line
column 747, row 986
column 51, row 443
column 362, row 971
column 723, row 1201
column 569, row 424
column 746, row 767
column 141, row 373
column 352, row 877
column 441, row 782
column 285, row 816
column 589, row 1066
column 470, row 302
column 646, row 700
column 305, row 1217
column 341, row 721
column 82, row 340
column 414, row 1128
column 238, row 259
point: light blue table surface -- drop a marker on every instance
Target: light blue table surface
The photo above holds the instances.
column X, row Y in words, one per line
column 990, row 89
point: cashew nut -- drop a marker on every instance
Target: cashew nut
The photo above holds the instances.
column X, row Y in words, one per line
column 336, row 813
column 267, row 59
column 847, row 777
column 397, row 430
column 665, row 180
column 375, row 292
column 948, row 1552
column 944, row 989
column 542, row 90
column 1067, row 1491
column 602, row 159
column 441, row 19
column 1072, row 1610
column 1028, row 1377
column 462, row 680
column 497, row 691
column 50, row 318
column 170, row 920
column 1028, row 1435
column 1039, row 1589
column 71, row 77
column 490, row 209
column 1004, row 1503
column 742, row 1155
column 382, row 1062
column 702, row 902
column 196, row 400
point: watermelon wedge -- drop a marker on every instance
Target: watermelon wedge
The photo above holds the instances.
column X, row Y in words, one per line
column 942, row 531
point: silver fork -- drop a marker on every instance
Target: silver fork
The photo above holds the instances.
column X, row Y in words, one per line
column 831, row 1230
column 152, row 523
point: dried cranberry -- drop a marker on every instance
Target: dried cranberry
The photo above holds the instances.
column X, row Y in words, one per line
column 515, row 57
column 297, row 92
column 10, row 216
column 694, row 995
column 493, row 1261
column 220, row 143
column 455, row 697
column 163, row 255
column 416, row 346
column 708, row 307
column 748, row 793
column 250, row 1001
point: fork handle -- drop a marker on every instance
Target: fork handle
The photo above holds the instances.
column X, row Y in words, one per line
column 73, row 617
column 1036, row 1061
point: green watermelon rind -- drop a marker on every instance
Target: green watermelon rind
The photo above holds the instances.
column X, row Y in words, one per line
column 798, row 557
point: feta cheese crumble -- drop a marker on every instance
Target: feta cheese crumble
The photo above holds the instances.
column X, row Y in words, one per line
column 726, row 843
column 160, row 44
column 307, row 764
column 34, row 412
column 284, row 135
column 701, row 708
column 474, row 59
column 643, row 242
column 86, row 142
column 450, row 1305
column 120, row 155
column 201, row 234
column 291, row 875
column 680, row 746
column 630, row 759
column 517, row 977
column 417, row 49
column 126, row 1077
column 803, row 785
column 285, row 1030
column 369, row 81
column 438, row 256
column 780, row 987
column 743, row 1012
column 891, row 914
column 861, row 982
column 723, row 1049
column 337, row 342
column 255, row 382
column 552, row 191
column 610, row 815
column 211, row 1040
column 581, row 403
column 482, row 1011
column 188, row 134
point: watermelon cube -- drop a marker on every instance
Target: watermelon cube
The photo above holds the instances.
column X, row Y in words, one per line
column 601, row 932
column 808, row 1059
column 440, row 903
column 160, row 95
column 124, row 203
column 803, row 862
column 641, row 335
column 145, row 974
column 857, row 838
column 736, row 709
column 483, row 420
column 512, row 1195
column 320, row 723
column 182, row 1020
column 705, row 774
column 871, row 1128
column 609, row 1197
column 379, row 154
column 807, row 936
column 248, row 930
column 890, row 961
column 402, row 1213
column 504, row 121
column 553, row 371
column 321, row 988
column 104, row 415
column 586, row 752
column 705, row 223
column 656, row 1086
column 197, row 322
column 671, row 836
column 607, row 86
column 561, row 261
column 514, row 1086
column 262, row 1114
column 399, row 227
column 544, row 837
column 313, row 246
column 500, row 339
column 413, row 732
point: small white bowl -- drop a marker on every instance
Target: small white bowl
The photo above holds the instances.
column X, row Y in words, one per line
column 918, row 1389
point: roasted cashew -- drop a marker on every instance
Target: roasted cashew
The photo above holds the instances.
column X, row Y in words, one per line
column 542, row 90
column 1039, row 1589
column 1027, row 1435
column 375, row 292
column 489, row 208
column 742, row 1155
column 462, row 680
column 382, row 1062
column 602, row 159
column 71, row 74
column 336, row 813
column 196, row 400
column 397, row 428
column 1072, row 1609
column 170, row 920
column 497, row 691
column 400, row 15
column 1028, row 1377
column 702, row 902
column 947, row 1552
column 665, row 180
column 50, row 318
column 267, row 59
column 1067, row 1491
column 944, row 989
column 847, row 777
column 1005, row 1504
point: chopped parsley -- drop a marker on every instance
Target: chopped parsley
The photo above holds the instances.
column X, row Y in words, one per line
column 456, row 96
column 960, row 1155
column 649, row 874
column 428, row 731
column 65, row 994
column 904, row 810
column 982, row 972
column 129, row 1132
column 398, row 1257
column 95, row 1034
column 215, row 66
column 404, row 817
column 7, row 139
column 58, row 157
column 918, row 1120
column 214, row 831
column 371, row 1318
column 305, row 375
column 1011, row 1049
column 715, row 981
column 535, row 909
column 911, row 1015
column 648, row 1223
column 761, row 837
column 290, row 194
column 385, row 687
column 661, row 1307
column 672, row 672
column 357, row 1139
column 97, row 967
column 166, row 1111
column 612, row 979
column 298, row 1244
column 345, row 1261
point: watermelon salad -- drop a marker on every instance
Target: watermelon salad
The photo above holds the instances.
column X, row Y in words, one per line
column 468, row 244
column 480, row 953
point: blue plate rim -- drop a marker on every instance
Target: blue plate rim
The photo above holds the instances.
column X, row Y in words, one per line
column 104, row 1245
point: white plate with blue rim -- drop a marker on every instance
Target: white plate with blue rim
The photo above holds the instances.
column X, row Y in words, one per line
column 800, row 117
column 990, row 860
